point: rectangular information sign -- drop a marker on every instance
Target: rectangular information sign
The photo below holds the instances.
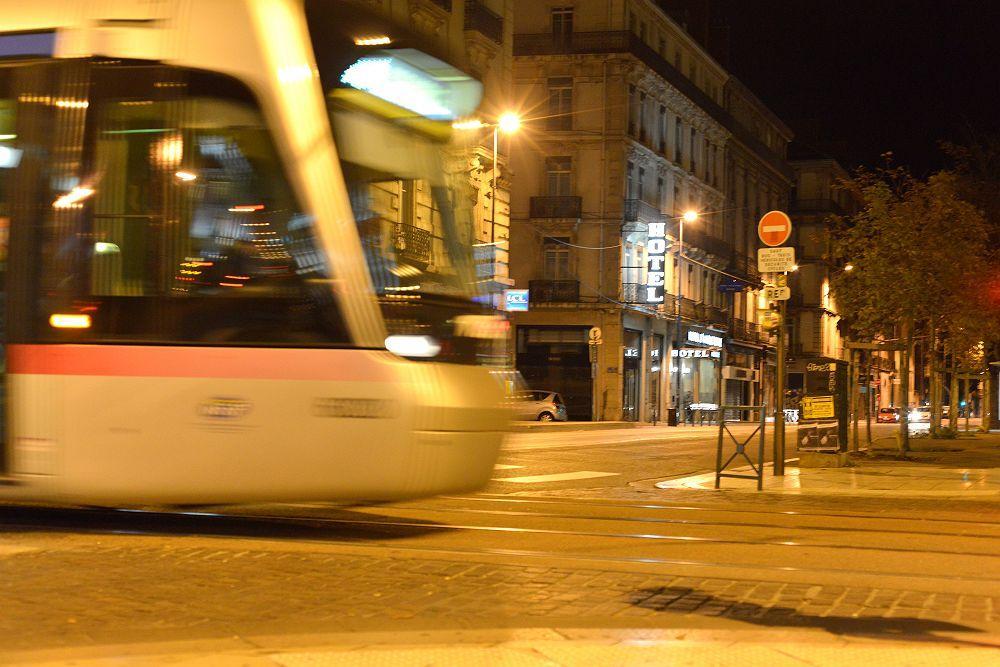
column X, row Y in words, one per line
column 775, row 260
column 817, row 407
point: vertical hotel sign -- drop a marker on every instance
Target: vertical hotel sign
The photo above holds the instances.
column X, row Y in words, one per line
column 655, row 256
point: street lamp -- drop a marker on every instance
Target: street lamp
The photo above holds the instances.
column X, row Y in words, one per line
column 689, row 216
column 508, row 123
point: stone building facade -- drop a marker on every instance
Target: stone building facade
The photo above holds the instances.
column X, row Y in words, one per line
column 630, row 123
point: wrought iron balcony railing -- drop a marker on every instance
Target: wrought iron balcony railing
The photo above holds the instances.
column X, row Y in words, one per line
column 554, row 291
column 564, row 206
column 816, row 206
column 636, row 210
column 478, row 17
column 412, row 243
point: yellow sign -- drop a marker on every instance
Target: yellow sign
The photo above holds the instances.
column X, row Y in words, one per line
column 817, row 407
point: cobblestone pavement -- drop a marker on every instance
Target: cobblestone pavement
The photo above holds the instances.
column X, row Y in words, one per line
column 71, row 593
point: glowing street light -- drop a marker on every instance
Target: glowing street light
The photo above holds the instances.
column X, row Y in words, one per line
column 689, row 215
column 508, row 123
column 848, row 267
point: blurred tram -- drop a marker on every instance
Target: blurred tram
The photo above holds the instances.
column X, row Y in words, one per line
column 235, row 267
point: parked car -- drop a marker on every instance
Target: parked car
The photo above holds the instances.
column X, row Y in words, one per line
column 887, row 416
column 920, row 415
column 543, row 406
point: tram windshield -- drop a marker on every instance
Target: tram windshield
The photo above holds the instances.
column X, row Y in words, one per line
column 391, row 107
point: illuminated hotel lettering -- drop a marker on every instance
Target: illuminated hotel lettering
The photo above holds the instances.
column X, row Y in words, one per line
column 655, row 252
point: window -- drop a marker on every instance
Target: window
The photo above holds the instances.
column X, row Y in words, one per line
column 633, row 105
column 639, row 183
column 678, row 139
column 192, row 232
column 662, row 129
column 555, row 261
column 659, row 192
column 677, row 198
column 641, row 120
column 559, row 175
column 710, row 162
column 694, row 143
column 562, row 22
column 629, row 179
column 560, row 103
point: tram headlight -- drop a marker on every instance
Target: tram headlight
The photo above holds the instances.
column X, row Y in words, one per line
column 422, row 347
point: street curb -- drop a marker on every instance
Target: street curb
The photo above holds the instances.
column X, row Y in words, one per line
column 559, row 427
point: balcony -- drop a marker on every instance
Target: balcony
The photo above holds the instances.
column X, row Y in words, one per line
column 746, row 267
column 622, row 41
column 478, row 17
column 696, row 238
column 412, row 243
column 634, row 293
column 565, row 206
column 746, row 331
column 636, row 210
column 554, row 291
column 807, row 206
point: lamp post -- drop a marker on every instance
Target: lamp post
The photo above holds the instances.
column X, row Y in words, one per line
column 689, row 216
column 508, row 123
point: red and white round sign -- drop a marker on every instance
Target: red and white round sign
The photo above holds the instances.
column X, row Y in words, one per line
column 774, row 228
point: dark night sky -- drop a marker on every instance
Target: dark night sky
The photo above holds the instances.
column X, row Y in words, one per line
column 874, row 76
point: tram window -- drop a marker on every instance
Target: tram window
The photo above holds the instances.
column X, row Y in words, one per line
column 194, row 232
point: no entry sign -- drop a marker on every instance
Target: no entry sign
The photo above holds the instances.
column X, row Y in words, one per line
column 774, row 228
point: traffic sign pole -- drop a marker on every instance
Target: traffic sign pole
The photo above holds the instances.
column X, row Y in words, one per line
column 779, row 399
column 774, row 229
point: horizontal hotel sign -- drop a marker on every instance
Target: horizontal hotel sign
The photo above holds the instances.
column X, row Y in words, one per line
column 696, row 353
column 704, row 338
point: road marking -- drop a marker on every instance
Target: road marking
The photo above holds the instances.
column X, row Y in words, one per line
column 506, row 466
column 560, row 477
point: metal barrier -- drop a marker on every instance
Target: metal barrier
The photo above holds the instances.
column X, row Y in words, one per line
column 741, row 446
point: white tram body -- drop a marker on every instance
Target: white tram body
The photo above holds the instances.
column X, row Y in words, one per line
column 125, row 386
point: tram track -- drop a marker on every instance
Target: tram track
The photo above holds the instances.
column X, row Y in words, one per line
column 271, row 525
column 483, row 498
column 700, row 522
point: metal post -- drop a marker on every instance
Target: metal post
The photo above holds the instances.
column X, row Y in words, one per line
column 677, row 321
column 779, row 397
column 493, row 197
column 856, row 396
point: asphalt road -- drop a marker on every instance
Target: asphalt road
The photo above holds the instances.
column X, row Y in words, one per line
column 583, row 540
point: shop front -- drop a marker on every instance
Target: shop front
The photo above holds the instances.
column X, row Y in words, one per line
column 697, row 360
column 631, row 374
column 557, row 358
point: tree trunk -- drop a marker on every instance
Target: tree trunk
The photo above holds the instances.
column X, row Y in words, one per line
column 953, row 398
column 936, row 393
column 985, row 400
column 868, row 396
column 904, row 382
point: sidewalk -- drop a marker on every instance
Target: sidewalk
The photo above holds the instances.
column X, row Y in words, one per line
column 544, row 647
column 968, row 467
